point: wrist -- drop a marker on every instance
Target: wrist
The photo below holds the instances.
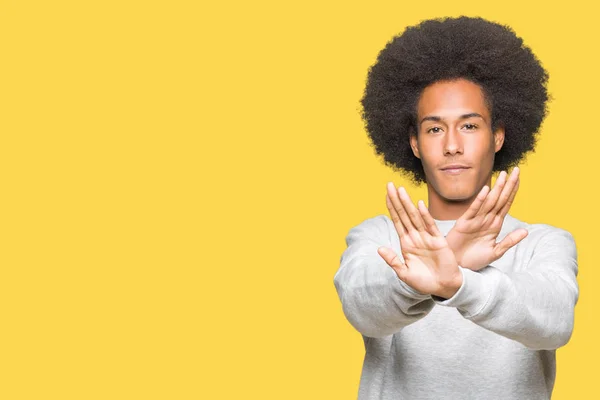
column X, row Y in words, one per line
column 450, row 287
column 455, row 249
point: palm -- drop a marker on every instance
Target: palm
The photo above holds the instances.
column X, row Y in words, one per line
column 429, row 264
column 476, row 241
column 473, row 237
column 427, row 260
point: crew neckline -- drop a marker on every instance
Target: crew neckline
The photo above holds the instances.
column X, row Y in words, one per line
column 444, row 225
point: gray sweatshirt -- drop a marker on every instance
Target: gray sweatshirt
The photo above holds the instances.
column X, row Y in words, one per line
column 494, row 339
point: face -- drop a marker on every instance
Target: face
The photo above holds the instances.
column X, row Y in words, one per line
column 454, row 127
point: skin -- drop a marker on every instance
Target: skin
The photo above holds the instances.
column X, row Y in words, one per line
column 453, row 139
column 454, row 126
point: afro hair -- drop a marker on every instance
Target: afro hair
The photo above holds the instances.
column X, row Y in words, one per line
column 489, row 54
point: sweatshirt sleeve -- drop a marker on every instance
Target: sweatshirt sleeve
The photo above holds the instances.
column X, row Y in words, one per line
column 534, row 305
column 374, row 300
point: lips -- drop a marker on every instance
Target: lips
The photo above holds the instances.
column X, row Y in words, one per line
column 454, row 166
column 455, row 169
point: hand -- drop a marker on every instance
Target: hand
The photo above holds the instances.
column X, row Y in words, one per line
column 429, row 264
column 473, row 237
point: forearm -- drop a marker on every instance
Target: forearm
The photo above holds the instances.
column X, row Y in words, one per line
column 534, row 302
column 375, row 301
column 534, row 308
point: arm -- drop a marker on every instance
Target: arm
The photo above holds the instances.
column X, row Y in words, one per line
column 375, row 301
column 534, row 306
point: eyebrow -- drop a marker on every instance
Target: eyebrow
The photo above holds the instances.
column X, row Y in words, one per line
column 437, row 119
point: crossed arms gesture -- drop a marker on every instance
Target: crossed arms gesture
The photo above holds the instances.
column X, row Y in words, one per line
column 431, row 260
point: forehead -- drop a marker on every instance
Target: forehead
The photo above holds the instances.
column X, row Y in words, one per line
column 449, row 99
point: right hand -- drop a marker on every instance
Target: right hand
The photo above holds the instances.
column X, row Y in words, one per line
column 429, row 266
column 473, row 236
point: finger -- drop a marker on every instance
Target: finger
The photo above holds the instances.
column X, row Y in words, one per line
column 507, row 191
column 428, row 219
column 397, row 205
column 476, row 204
column 392, row 259
column 510, row 240
column 492, row 197
column 506, row 207
column 394, row 214
column 411, row 210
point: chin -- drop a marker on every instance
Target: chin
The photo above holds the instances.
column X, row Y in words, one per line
column 456, row 195
column 457, row 199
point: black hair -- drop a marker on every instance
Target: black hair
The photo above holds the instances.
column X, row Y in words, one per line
column 487, row 53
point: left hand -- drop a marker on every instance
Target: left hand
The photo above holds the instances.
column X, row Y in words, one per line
column 473, row 237
column 429, row 265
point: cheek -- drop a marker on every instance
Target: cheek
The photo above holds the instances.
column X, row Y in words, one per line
column 426, row 150
column 479, row 149
column 427, row 161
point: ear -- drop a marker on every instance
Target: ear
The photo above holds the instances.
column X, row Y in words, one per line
column 498, row 138
column 414, row 146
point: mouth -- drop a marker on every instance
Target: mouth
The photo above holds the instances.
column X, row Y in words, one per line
column 455, row 171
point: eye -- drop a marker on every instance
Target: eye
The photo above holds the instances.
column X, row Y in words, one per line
column 470, row 127
column 435, row 129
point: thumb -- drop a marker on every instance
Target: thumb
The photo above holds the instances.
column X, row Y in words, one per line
column 392, row 259
column 510, row 240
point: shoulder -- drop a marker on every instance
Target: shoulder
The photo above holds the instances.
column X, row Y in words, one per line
column 376, row 222
column 376, row 228
column 541, row 235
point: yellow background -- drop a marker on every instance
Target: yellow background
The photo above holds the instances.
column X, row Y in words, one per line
column 178, row 179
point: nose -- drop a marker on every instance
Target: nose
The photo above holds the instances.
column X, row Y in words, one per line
column 452, row 142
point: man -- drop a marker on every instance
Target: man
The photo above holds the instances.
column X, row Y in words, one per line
column 459, row 300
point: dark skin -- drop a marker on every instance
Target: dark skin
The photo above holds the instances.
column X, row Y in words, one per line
column 454, row 127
